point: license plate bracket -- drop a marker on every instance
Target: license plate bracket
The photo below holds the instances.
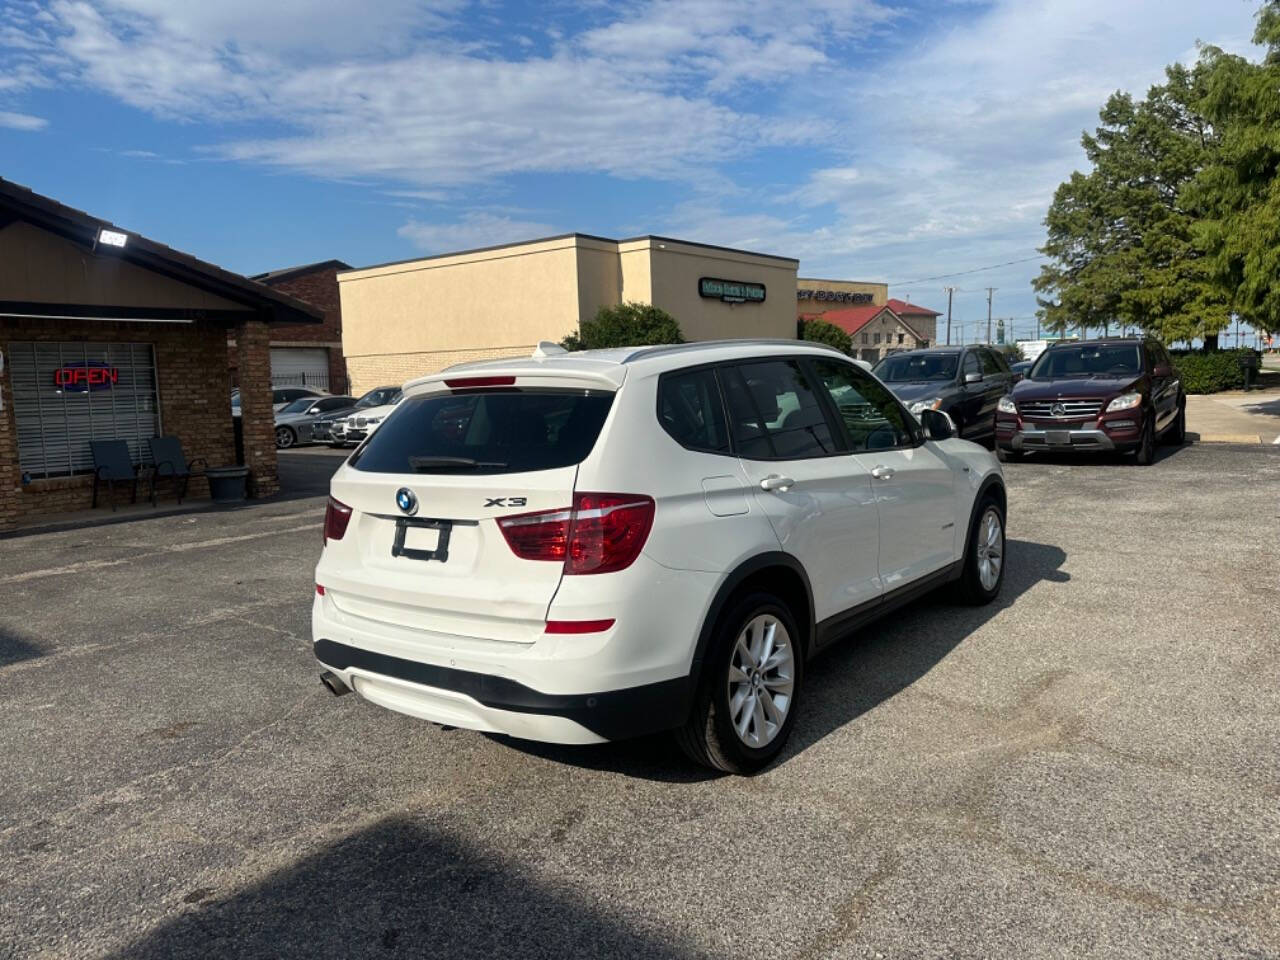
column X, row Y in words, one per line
column 1058, row 438
column 440, row 553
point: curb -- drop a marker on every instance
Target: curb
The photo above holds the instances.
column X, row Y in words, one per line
column 1232, row 438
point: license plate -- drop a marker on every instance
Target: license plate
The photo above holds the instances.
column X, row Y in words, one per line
column 1058, row 438
column 418, row 539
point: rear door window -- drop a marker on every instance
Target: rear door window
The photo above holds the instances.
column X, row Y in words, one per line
column 487, row 432
column 690, row 410
column 776, row 412
column 990, row 363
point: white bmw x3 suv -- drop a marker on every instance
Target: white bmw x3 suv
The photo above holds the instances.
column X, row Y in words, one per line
column 584, row 547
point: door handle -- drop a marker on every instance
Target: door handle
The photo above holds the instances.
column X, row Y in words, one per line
column 882, row 473
column 777, row 482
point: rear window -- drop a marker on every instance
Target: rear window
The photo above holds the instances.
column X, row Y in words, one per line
column 486, row 432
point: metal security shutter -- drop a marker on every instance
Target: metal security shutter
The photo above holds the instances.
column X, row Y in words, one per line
column 56, row 424
column 299, row 367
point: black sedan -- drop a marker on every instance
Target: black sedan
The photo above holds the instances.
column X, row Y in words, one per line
column 966, row 383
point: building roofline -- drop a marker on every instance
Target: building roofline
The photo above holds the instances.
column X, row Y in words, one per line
column 18, row 202
column 563, row 236
column 284, row 273
column 707, row 246
column 474, row 250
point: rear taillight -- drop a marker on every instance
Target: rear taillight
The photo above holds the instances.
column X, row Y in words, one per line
column 601, row 533
column 336, row 517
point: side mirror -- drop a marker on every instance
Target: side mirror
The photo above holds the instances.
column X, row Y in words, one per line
column 937, row 425
column 1162, row 370
column 973, row 378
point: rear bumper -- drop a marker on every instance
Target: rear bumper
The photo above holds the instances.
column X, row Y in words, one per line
column 479, row 701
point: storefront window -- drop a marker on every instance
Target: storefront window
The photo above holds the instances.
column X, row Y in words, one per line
column 66, row 394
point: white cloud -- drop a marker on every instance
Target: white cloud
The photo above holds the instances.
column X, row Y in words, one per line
column 21, row 121
column 472, row 231
column 884, row 158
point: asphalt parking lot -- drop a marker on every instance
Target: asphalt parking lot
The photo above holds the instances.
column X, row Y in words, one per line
column 1088, row 767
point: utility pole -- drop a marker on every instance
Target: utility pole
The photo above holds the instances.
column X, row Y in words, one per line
column 950, row 291
column 990, row 291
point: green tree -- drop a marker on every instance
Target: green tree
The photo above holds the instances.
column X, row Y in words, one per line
column 820, row 331
column 625, row 325
column 1239, row 188
column 1122, row 238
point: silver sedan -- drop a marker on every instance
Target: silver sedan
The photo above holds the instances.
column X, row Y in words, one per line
column 295, row 421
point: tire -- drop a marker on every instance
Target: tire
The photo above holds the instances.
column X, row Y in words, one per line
column 711, row 737
column 983, row 566
column 285, row 438
column 1146, row 452
column 1005, row 456
column 1177, row 434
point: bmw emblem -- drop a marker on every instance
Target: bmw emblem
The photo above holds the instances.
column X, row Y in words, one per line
column 1058, row 410
column 406, row 501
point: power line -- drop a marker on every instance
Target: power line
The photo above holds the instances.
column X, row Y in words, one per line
column 964, row 273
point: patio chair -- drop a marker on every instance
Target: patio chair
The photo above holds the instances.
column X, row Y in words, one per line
column 170, row 461
column 112, row 463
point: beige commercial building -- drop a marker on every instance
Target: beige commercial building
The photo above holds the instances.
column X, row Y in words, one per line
column 815, row 297
column 402, row 320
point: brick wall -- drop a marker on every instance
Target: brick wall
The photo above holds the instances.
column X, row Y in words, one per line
column 395, row 368
column 195, row 405
column 320, row 289
column 253, row 358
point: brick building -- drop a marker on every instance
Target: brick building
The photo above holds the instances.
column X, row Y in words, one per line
column 305, row 354
column 881, row 329
column 105, row 334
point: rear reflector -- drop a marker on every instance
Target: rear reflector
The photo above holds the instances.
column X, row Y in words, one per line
column 578, row 626
column 319, row 590
column 601, row 533
column 464, row 383
column 336, row 517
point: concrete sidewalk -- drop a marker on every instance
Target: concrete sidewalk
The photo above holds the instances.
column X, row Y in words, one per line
column 1235, row 416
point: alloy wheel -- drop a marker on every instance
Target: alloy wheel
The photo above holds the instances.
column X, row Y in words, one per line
column 761, row 680
column 284, row 438
column 990, row 547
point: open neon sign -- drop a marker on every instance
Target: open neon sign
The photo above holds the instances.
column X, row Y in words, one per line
column 84, row 377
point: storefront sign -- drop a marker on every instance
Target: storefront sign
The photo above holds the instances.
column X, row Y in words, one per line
column 731, row 291
column 834, row 296
column 84, row 377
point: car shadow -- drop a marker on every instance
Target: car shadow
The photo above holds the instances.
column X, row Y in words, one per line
column 1103, row 458
column 400, row 887
column 15, row 648
column 848, row 679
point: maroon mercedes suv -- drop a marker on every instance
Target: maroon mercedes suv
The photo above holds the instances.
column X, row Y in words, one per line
column 1112, row 394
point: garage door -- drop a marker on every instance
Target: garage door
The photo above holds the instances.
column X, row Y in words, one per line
column 300, row 366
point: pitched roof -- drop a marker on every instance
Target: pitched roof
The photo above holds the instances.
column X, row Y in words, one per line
column 852, row 319
column 22, row 203
column 285, row 273
column 905, row 309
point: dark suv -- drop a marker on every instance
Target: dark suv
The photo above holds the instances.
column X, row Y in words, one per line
column 1111, row 394
column 965, row 383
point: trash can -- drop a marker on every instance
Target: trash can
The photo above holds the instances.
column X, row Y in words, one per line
column 1248, row 363
column 227, row 484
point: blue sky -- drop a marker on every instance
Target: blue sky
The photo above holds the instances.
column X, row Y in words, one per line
column 870, row 138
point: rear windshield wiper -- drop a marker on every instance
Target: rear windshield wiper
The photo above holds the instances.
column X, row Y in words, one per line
column 426, row 464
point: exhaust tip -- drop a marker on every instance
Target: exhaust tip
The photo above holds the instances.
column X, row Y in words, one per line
column 333, row 683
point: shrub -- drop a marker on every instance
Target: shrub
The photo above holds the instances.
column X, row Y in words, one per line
column 625, row 325
column 1210, row 372
column 820, row 331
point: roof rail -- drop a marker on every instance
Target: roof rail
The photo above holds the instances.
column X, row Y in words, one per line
column 663, row 349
